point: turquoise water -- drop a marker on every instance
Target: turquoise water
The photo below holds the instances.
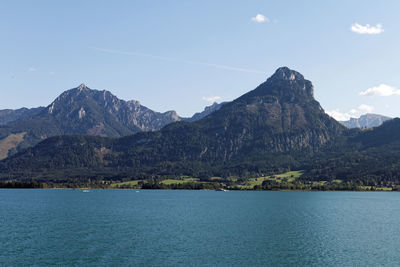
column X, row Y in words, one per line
column 192, row 228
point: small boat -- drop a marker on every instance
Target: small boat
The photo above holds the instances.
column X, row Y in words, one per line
column 221, row 189
column 85, row 191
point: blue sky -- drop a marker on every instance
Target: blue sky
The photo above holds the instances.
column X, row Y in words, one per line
column 180, row 54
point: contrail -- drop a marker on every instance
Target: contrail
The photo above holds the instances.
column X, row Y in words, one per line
column 111, row 51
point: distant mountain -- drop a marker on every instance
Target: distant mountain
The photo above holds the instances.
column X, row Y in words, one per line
column 272, row 128
column 79, row 111
column 365, row 121
column 207, row 111
column 9, row 115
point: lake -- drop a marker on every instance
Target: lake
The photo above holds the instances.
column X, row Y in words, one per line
column 192, row 228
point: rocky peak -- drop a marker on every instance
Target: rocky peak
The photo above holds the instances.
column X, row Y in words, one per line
column 285, row 85
column 173, row 115
column 68, row 97
column 284, row 73
column 292, row 81
column 82, row 86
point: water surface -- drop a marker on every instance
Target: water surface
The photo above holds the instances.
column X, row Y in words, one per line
column 191, row 228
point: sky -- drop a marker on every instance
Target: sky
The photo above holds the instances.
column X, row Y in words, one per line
column 184, row 55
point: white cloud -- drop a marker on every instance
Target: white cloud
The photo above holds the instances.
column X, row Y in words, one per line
column 31, row 69
column 260, row 18
column 381, row 90
column 339, row 116
column 211, row 99
column 365, row 108
column 367, row 29
column 353, row 113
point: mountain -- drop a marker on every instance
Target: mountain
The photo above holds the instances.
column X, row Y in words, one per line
column 365, row 121
column 97, row 112
column 273, row 127
column 207, row 111
column 386, row 134
column 83, row 111
column 368, row 158
column 9, row 115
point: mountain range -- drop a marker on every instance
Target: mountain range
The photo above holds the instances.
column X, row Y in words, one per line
column 83, row 111
column 276, row 127
column 366, row 121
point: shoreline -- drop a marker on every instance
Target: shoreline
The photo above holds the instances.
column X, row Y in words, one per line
column 169, row 189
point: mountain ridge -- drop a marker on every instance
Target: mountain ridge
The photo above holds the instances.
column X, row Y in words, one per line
column 269, row 128
column 114, row 118
column 366, row 121
column 8, row 116
column 82, row 110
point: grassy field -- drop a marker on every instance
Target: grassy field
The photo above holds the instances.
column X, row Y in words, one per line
column 179, row 181
column 291, row 176
column 135, row 183
column 8, row 143
column 131, row 184
column 287, row 177
column 282, row 180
